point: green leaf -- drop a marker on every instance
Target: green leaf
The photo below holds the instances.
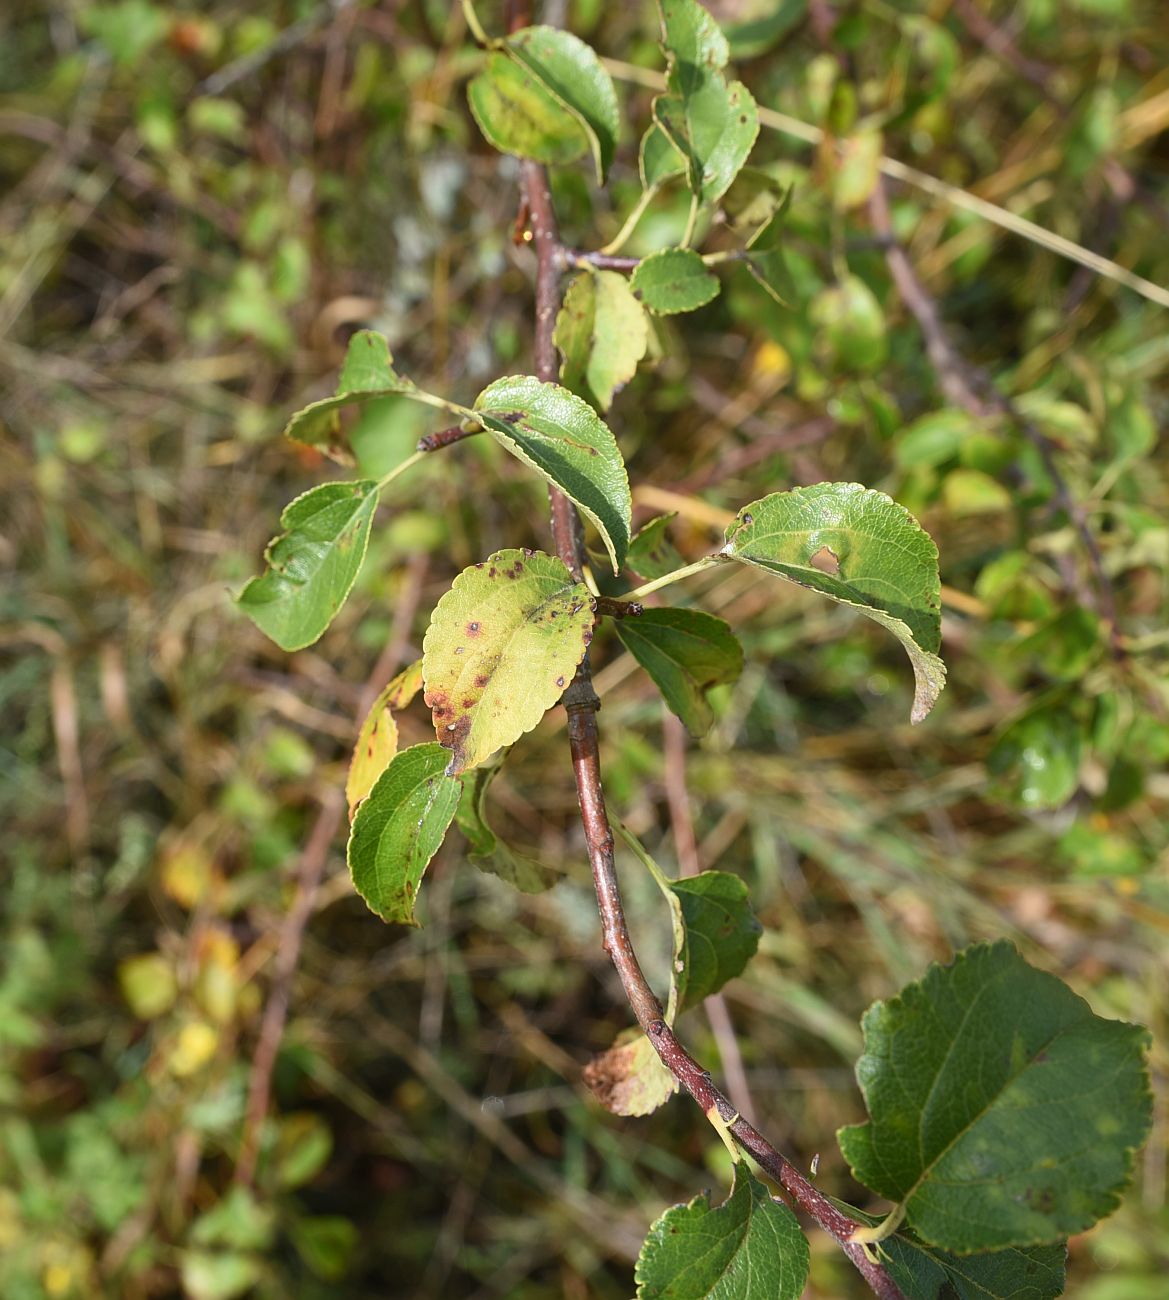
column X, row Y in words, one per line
column 502, row 645
column 851, row 325
column 561, row 437
column 1036, row 760
column 313, row 564
column 686, row 652
column 367, row 373
column 712, row 125
column 573, row 75
column 674, row 280
column 326, row 1244
column 765, row 258
column 602, row 334
column 398, row 829
column 487, row 851
column 651, row 553
column 518, row 116
column 926, row 1273
column 860, row 548
column 1003, row 1112
column 719, row 934
column 658, row 159
column 629, row 1078
column 749, row 1248
column 377, row 741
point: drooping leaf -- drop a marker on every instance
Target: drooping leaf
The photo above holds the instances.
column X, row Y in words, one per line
column 561, row 437
column 749, row 1248
column 377, row 741
column 764, row 257
column 517, row 115
column 313, row 564
column 674, row 280
column 719, row 934
column 651, row 553
column 367, row 373
column 1003, row 1112
column 629, row 1078
column 686, row 652
column 573, row 75
column 658, row 159
column 858, row 547
column 602, row 334
column 502, row 645
column 398, row 829
column 487, row 851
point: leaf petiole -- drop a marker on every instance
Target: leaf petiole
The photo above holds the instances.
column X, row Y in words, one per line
column 668, row 579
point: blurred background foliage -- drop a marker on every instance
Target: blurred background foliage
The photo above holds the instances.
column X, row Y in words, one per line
column 198, row 203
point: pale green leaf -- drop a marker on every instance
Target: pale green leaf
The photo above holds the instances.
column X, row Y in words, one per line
column 602, row 334
column 486, row 850
column 377, row 740
column 686, row 652
column 658, row 159
column 749, row 1248
column 367, row 373
column 561, row 437
column 1003, row 1112
column 860, row 548
column 674, row 280
column 714, row 130
column 313, row 564
column 398, row 829
column 651, row 553
column 518, row 116
column 629, row 1078
column 573, row 75
column 502, row 645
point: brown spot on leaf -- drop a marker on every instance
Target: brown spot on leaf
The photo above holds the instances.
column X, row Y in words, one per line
column 473, row 627
column 826, row 560
column 560, row 682
column 469, row 702
column 482, row 680
column 456, row 741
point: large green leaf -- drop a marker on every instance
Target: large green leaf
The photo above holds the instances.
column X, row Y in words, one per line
column 686, row 652
column 398, row 829
column 377, row 739
column 749, row 1248
column 674, row 280
column 313, row 564
column 517, row 115
column 1003, row 1112
column 502, row 645
column 367, row 373
column 860, row 548
column 713, row 125
column 629, row 1077
column 561, row 437
column 602, row 334
column 573, row 75
column 486, row 850
column 926, row 1273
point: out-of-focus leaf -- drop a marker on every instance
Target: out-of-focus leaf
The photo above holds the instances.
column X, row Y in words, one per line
column 674, row 280
column 602, row 334
column 651, row 553
column 519, row 116
column 629, row 1078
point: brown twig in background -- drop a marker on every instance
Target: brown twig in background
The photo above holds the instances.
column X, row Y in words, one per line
column 972, row 389
column 581, row 704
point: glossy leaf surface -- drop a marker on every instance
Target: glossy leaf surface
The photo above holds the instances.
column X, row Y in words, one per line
column 502, row 645
column 560, row 436
column 1003, row 1112
column 313, row 564
column 860, row 548
column 398, row 829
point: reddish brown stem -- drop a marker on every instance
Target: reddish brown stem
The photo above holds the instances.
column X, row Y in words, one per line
column 581, row 704
column 445, row 437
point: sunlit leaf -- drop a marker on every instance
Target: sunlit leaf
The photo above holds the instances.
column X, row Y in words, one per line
column 573, row 75
column 502, row 645
column 629, row 1078
column 377, row 741
column 517, row 115
column 1003, row 1112
column 561, row 437
column 749, row 1248
column 602, row 334
column 674, row 280
column 398, row 829
column 860, row 548
column 313, row 564
column 658, row 159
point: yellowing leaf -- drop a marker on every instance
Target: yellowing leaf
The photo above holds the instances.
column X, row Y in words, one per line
column 377, row 741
